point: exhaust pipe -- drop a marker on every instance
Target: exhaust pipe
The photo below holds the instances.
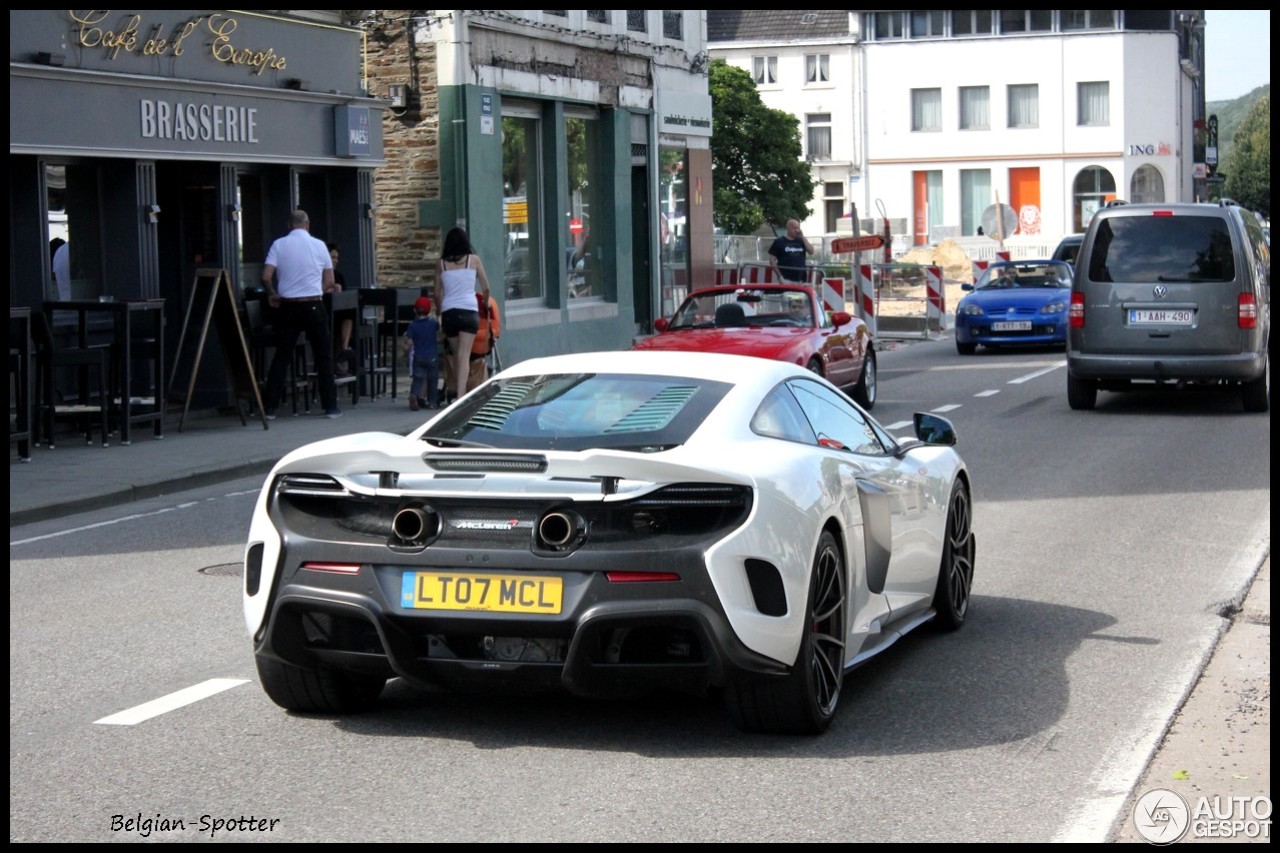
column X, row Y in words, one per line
column 557, row 530
column 414, row 525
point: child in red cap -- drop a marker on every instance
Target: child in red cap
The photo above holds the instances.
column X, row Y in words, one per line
column 421, row 343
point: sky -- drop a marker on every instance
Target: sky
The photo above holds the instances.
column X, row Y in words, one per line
column 1237, row 52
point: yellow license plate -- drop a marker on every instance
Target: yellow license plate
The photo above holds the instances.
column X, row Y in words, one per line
column 483, row 593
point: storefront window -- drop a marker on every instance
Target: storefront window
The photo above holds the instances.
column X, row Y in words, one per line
column 1094, row 186
column 251, row 228
column 582, row 253
column 75, row 227
column 673, row 227
column 521, row 208
column 1146, row 186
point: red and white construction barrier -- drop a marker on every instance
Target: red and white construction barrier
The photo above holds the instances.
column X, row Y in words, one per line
column 833, row 294
column 757, row 273
column 865, row 296
column 936, row 299
column 754, row 272
column 979, row 267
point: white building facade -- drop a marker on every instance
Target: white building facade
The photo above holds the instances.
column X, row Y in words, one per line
column 806, row 63
column 1051, row 112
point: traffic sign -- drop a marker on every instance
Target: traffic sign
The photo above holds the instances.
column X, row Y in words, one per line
column 1211, row 145
column 999, row 221
column 844, row 245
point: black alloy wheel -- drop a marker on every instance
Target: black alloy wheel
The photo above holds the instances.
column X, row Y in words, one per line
column 955, row 575
column 804, row 701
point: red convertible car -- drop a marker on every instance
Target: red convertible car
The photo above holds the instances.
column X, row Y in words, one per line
column 775, row 321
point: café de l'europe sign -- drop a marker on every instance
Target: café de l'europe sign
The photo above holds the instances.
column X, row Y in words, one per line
column 132, row 34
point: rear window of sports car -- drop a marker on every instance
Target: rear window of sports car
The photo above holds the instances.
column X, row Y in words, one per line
column 577, row 411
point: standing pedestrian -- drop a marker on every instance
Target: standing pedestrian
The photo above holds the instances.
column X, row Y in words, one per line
column 482, row 348
column 788, row 254
column 344, row 356
column 61, row 268
column 486, row 341
column 305, row 273
column 457, row 274
column 421, row 342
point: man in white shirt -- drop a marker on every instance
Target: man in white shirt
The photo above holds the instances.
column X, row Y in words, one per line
column 297, row 273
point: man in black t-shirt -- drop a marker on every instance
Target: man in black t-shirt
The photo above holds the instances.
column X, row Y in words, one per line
column 787, row 254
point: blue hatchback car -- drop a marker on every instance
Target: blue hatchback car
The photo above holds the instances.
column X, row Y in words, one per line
column 1015, row 302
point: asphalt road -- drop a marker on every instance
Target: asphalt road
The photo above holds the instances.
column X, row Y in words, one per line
column 1108, row 543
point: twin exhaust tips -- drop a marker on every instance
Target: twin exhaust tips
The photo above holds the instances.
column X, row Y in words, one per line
column 557, row 531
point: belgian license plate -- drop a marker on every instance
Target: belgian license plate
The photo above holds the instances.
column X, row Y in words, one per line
column 483, row 593
column 1012, row 326
column 1177, row 317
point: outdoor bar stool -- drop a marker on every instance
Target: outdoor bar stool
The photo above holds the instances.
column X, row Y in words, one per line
column 85, row 361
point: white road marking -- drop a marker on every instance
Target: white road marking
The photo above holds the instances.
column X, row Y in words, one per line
column 123, row 519
column 987, row 393
column 1031, row 376
column 947, row 408
column 900, row 425
column 172, row 702
column 133, row 517
column 974, row 364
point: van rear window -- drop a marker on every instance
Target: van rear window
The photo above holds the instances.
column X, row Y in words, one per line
column 1150, row 249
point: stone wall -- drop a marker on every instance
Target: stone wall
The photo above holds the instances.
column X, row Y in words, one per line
column 406, row 253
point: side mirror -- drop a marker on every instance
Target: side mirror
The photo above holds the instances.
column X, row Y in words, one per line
column 660, row 324
column 932, row 429
column 841, row 318
column 966, row 287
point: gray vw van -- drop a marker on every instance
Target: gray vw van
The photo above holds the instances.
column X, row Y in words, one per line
column 1170, row 293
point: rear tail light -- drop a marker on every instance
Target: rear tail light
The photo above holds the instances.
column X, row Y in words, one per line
column 1075, row 314
column 333, row 568
column 1247, row 315
column 641, row 577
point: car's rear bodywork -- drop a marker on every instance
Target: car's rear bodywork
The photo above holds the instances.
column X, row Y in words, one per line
column 598, row 530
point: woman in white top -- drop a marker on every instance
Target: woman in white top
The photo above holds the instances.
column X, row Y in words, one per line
column 458, row 301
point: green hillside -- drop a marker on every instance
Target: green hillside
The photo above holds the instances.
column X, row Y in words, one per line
column 1230, row 114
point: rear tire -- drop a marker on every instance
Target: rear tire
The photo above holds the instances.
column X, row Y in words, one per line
column 804, row 701
column 1256, row 393
column 1082, row 394
column 864, row 393
column 317, row 691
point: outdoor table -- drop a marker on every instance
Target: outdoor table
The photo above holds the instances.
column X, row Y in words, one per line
column 387, row 345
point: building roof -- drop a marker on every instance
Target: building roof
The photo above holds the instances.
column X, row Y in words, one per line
column 769, row 25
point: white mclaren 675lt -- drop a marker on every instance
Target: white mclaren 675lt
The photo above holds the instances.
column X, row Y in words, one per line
column 612, row 522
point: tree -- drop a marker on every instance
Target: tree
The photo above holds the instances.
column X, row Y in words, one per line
column 756, row 167
column 1249, row 167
